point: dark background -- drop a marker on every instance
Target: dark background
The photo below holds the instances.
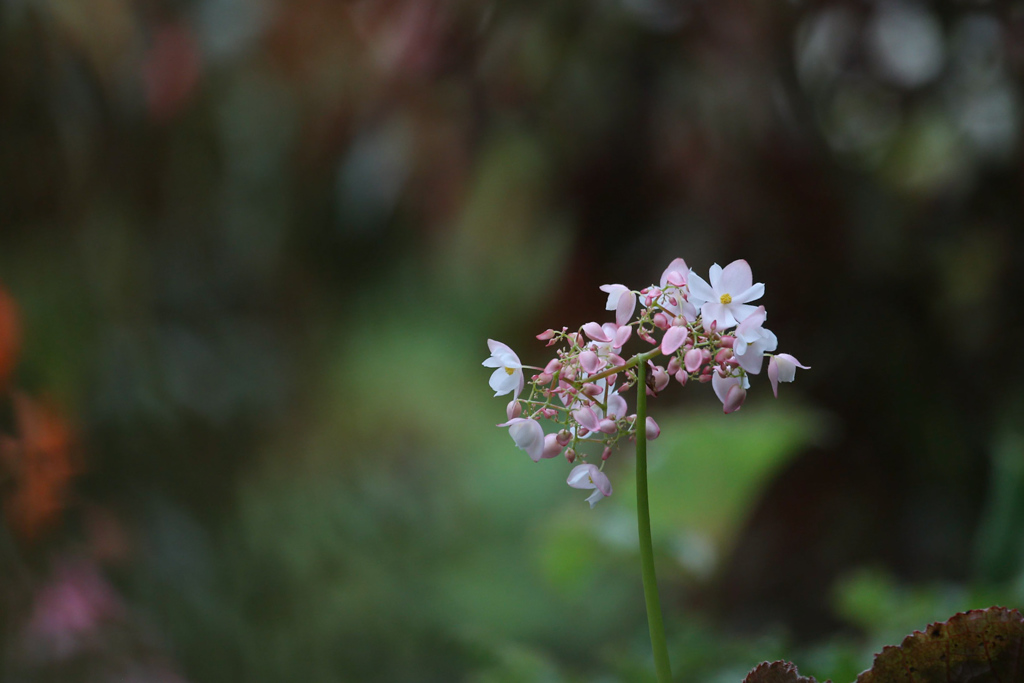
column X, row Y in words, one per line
column 252, row 252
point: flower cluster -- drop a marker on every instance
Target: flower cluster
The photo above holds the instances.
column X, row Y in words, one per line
column 705, row 331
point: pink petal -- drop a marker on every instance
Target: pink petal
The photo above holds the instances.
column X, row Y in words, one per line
column 693, row 360
column 625, row 307
column 622, row 336
column 552, row 448
column 734, row 399
column 595, row 332
column 722, row 385
column 586, row 417
column 652, row 429
column 590, row 362
column 773, row 375
column 673, row 339
column 679, row 266
column 601, row 482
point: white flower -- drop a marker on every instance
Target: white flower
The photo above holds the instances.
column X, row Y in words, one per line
column 752, row 341
column 726, row 300
column 528, row 435
column 622, row 301
column 509, row 374
column 590, row 477
column 782, row 368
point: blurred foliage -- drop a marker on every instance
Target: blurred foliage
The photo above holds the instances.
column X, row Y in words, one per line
column 255, row 249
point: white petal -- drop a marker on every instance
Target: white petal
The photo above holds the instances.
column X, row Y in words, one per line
column 716, row 277
column 752, row 293
column 740, row 312
column 722, row 385
column 504, row 383
column 595, row 498
column 700, row 291
column 736, row 278
column 581, row 477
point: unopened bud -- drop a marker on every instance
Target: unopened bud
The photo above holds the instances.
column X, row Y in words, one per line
column 652, row 429
column 551, row 446
column 693, row 359
column 549, row 412
column 553, row 366
column 607, row 426
column 616, row 359
column 706, row 354
column 734, row 399
column 546, row 334
column 681, row 376
column 564, row 437
column 673, row 366
column 514, row 410
column 727, row 341
column 723, row 355
column 605, row 453
column 543, row 378
column 658, row 378
column 591, row 389
column 570, row 455
column 661, row 321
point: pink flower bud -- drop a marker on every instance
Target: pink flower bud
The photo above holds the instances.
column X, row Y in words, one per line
column 570, row 455
column 706, row 354
column 661, row 321
column 734, row 399
column 513, row 410
column 693, row 359
column 551, row 446
column 553, row 366
column 704, row 378
column 673, row 366
column 564, row 437
column 591, row 389
column 681, row 376
column 652, row 429
column 727, row 341
column 549, row 412
column 571, row 338
column 605, row 453
column 543, row 378
column 659, row 378
column 546, row 334
column 608, row 426
column 615, row 359
column 723, row 355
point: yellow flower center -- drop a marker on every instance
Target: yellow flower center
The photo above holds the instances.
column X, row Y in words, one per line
column 510, row 371
column 725, row 298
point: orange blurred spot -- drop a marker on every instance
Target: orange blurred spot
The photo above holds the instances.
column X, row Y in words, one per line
column 40, row 464
column 10, row 336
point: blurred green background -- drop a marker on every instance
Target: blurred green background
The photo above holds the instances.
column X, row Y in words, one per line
column 256, row 249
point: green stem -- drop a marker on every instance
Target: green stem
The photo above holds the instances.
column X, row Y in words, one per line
column 643, row 522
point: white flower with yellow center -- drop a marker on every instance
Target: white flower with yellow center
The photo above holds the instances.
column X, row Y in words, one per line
column 726, row 300
column 508, row 378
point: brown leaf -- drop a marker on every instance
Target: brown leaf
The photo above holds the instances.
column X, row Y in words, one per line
column 979, row 646
column 776, row 672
